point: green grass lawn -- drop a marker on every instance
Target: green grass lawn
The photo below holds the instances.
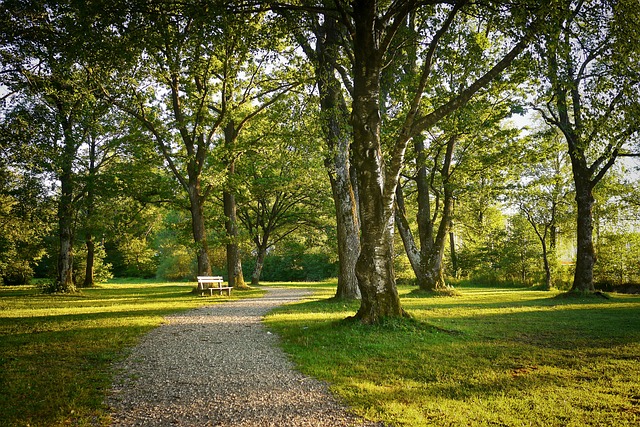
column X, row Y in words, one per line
column 56, row 352
column 507, row 357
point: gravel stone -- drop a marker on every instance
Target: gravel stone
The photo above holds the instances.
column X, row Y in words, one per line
column 219, row 366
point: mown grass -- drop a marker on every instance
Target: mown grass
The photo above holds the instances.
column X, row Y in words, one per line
column 509, row 357
column 57, row 351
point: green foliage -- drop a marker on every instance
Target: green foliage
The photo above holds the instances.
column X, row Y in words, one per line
column 25, row 215
column 175, row 253
column 295, row 267
column 617, row 241
column 137, row 256
column 176, row 263
column 102, row 269
column 618, row 258
column 488, row 356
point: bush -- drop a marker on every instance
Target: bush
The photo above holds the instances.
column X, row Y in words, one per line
column 176, row 264
column 16, row 273
column 312, row 267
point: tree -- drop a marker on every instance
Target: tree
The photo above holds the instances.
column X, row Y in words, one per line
column 283, row 191
column 373, row 30
column 249, row 97
column 26, row 215
column 616, row 239
column 542, row 194
column 42, row 53
column 442, row 161
column 201, row 73
column 327, row 57
column 589, row 66
column 101, row 147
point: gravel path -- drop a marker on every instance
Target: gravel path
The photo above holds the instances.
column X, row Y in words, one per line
column 218, row 366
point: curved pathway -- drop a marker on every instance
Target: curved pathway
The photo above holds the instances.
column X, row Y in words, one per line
column 219, row 366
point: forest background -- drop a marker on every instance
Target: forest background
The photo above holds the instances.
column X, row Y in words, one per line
column 172, row 139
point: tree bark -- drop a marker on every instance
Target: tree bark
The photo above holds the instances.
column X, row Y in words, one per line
column 427, row 262
column 64, row 281
column 547, row 266
column 410, row 247
column 234, row 260
column 348, row 237
column 90, row 244
column 337, row 137
column 198, row 227
column 89, row 268
column 434, row 268
column 374, row 268
column 585, row 256
column 454, row 256
column 257, row 270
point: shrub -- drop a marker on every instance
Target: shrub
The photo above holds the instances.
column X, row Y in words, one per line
column 16, row 273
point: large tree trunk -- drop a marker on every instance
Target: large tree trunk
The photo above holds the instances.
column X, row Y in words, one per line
column 434, row 267
column 198, row 227
column 547, row 266
column 425, row 279
column 427, row 262
column 234, row 261
column 452, row 249
column 64, row 280
column 433, row 261
column 585, row 257
column 374, row 269
column 338, row 138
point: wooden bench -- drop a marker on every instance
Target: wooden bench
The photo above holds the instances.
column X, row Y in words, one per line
column 211, row 284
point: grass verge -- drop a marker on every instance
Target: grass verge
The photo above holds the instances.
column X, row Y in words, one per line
column 509, row 357
column 56, row 352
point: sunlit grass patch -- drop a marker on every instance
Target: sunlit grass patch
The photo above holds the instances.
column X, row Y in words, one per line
column 485, row 357
column 56, row 352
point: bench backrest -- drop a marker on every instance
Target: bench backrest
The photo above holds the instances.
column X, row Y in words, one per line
column 209, row 278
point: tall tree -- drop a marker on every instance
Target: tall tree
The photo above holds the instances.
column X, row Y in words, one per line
column 541, row 195
column 327, row 56
column 200, row 76
column 42, row 54
column 589, row 62
column 441, row 162
column 373, row 29
column 170, row 89
column 252, row 89
column 101, row 146
column 283, row 192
